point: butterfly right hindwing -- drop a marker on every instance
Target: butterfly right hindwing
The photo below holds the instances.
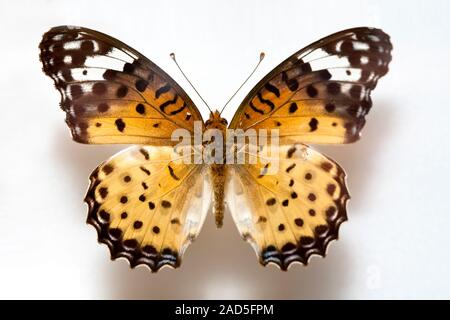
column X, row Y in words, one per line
column 292, row 213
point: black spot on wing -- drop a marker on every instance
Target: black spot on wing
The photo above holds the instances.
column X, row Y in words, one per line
column 167, row 103
column 122, row 91
column 172, row 173
column 179, row 110
column 290, row 152
column 271, row 88
column 293, row 107
column 162, row 90
column 292, row 84
column 145, row 170
column 255, row 108
column 292, row 166
column 145, row 153
column 120, row 125
column 140, row 108
column 313, row 124
column 265, row 101
column 141, row 85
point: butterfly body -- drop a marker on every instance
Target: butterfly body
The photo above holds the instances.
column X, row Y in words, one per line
column 218, row 169
column 149, row 202
column 218, row 177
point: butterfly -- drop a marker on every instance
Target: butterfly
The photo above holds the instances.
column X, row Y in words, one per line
column 148, row 204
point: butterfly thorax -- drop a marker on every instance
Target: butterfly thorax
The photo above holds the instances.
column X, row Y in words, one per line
column 215, row 130
column 215, row 121
column 218, row 171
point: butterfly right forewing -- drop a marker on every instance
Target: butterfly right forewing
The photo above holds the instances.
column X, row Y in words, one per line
column 320, row 94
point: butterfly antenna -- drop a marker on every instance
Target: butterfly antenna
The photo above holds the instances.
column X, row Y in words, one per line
column 261, row 57
column 172, row 55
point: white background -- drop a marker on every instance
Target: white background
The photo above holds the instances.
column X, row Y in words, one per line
column 396, row 243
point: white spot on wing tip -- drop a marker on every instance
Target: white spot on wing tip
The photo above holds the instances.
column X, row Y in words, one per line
column 72, row 45
column 358, row 45
column 373, row 38
column 57, row 37
column 68, row 59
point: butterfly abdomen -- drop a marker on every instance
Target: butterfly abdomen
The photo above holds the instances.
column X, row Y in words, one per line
column 218, row 169
column 218, row 174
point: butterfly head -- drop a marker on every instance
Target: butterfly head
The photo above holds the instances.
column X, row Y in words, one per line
column 215, row 121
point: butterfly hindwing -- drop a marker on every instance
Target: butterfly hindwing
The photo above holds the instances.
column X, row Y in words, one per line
column 320, row 94
column 110, row 92
column 147, row 205
column 293, row 212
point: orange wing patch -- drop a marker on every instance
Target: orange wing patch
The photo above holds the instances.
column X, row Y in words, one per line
column 320, row 94
column 110, row 92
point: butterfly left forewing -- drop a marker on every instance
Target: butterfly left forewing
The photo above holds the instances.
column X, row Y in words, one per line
column 320, row 94
column 290, row 214
column 110, row 92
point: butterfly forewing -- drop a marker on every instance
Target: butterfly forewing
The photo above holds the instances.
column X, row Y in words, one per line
column 320, row 94
column 110, row 92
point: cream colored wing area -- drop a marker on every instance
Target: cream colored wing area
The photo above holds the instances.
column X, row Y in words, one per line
column 291, row 213
column 148, row 205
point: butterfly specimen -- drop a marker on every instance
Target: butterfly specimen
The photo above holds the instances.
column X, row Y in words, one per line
column 148, row 204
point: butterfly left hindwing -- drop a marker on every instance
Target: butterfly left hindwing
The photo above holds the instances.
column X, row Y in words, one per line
column 148, row 205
